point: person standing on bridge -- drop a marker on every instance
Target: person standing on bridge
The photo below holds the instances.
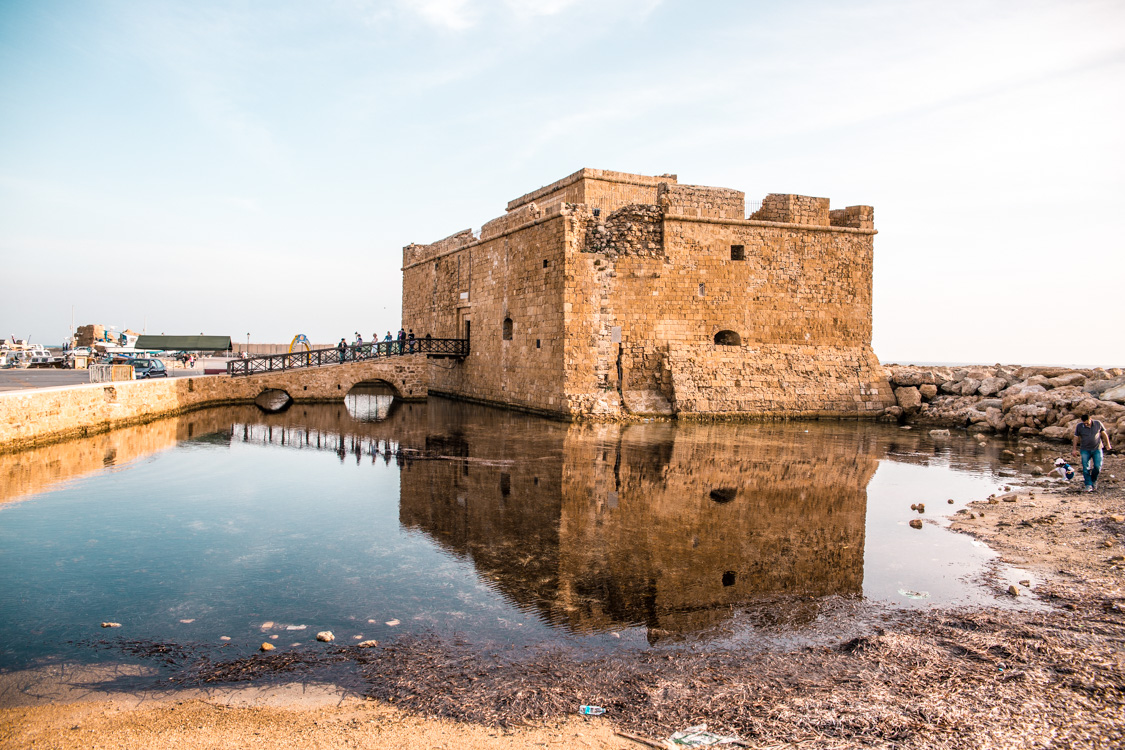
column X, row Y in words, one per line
column 342, row 348
column 401, row 340
column 410, row 341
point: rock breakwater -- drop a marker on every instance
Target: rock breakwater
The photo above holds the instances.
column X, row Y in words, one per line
column 1044, row 402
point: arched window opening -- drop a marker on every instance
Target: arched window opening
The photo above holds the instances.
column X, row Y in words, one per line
column 724, row 494
column 728, row 338
column 507, row 329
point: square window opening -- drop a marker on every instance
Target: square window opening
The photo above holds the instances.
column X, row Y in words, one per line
column 738, row 252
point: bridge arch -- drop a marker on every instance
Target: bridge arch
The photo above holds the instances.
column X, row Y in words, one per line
column 371, row 400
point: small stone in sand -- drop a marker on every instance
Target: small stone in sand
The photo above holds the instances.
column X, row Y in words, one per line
column 1025, row 583
column 1118, row 519
column 111, row 624
column 224, row 637
column 325, row 636
column 392, row 623
column 368, row 644
column 266, row 625
column 188, row 622
column 950, row 501
column 266, row 646
column 357, row 637
column 1107, row 543
column 1014, row 590
column 916, row 524
column 273, row 637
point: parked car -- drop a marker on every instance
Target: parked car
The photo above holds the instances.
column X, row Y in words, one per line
column 149, row 368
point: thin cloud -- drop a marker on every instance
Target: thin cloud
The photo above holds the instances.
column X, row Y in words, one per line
column 452, row 15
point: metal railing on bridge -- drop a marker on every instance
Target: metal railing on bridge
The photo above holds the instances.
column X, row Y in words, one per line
column 442, row 348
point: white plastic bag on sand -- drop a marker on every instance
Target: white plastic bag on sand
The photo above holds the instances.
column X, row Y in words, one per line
column 698, row 736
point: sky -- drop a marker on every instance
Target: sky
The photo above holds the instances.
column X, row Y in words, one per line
column 254, row 169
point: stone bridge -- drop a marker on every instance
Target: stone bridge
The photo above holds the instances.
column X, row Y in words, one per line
column 43, row 415
column 407, row 374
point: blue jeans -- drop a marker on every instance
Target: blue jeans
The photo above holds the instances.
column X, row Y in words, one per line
column 1091, row 466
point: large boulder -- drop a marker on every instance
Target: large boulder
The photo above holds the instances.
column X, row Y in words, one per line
column 1039, row 380
column 995, row 419
column 969, row 386
column 1070, row 378
column 927, row 391
column 1044, row 372
column 1101, row 385
column 909, row 399
column 1116, row 393
column 1022, row 396
column 911, row 376
column 1063, row 398
column 1110, row 410
column 1025, row 415
column 991, row 386
column 1057, row 432
column 1084, row 407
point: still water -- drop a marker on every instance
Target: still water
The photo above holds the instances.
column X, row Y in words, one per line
column 375, row 520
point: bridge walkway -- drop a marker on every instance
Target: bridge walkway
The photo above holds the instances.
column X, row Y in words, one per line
column 432, row 348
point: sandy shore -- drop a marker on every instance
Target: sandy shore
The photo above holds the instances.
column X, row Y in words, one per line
column 1053, row 676
column 292, row 716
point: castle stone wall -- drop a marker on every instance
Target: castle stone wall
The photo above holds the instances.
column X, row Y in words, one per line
column 515, row 274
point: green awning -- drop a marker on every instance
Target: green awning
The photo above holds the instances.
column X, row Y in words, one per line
column 184, row 343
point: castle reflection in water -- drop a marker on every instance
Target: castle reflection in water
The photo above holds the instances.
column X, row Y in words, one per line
column 593, row 527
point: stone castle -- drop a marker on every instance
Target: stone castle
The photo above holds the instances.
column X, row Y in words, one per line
column 608, row 294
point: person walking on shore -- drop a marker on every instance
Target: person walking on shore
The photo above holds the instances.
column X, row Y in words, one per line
column 1089, row 437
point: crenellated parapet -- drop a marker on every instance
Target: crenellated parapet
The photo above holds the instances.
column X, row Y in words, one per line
column 855, row 217
column 414, row 253
column 701, row 201
column 786, row 208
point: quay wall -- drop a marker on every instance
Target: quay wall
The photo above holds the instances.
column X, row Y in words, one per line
column 44, row 415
